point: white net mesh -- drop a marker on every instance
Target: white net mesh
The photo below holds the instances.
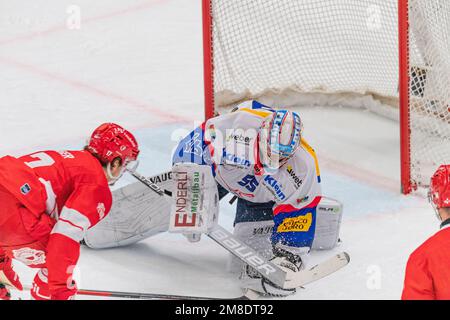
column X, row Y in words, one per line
column 430, row 87
column 337, row 52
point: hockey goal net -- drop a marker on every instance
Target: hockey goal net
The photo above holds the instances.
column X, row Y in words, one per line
column 391, row 56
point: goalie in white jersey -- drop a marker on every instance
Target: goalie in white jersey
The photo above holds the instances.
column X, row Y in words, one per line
column 258, row 154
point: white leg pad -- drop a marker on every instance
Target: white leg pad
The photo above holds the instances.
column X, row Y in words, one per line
column 328, row 224
column 257, row 236
column 137, row 214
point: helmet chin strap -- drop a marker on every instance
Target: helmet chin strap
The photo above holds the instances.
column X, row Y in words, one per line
column 435, row 208
column 127, row 166
column 112, row 178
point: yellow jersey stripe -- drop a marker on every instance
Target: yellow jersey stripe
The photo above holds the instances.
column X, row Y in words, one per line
column 262, row 114
column 311, row 151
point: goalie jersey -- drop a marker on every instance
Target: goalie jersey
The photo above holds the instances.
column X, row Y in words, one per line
column 229, row 145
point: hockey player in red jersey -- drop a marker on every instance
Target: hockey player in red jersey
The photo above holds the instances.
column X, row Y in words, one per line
column 49, row 199
column 427, row 273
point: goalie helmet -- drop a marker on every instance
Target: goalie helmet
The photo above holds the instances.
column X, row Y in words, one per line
column 279, row 138
column 110, row 141
column 439, row 192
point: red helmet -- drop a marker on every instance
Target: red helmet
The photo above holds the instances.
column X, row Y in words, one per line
column 111, row 141
column 439, row 193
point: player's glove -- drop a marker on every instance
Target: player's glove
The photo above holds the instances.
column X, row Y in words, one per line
column 41, row 290
column 286, row 260
column 8, row 278
column 65, row 293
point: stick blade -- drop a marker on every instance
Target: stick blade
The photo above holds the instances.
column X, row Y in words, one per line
column 318, row 272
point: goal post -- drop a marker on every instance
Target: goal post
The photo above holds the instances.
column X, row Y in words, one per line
column 404, row 84
column 389, row 56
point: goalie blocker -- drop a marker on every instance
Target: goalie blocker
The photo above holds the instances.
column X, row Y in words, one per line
column 195, row 199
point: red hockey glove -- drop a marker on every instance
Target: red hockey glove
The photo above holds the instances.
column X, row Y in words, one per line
column 65, row 293
column 41, row 290
column 8, row 278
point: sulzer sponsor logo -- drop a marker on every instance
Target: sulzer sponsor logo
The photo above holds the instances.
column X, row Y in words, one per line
column 302, row 200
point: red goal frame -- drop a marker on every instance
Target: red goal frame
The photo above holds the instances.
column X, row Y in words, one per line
column 407, row 185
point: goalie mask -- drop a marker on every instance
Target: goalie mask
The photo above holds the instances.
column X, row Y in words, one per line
column 439, row 192
column 110, row 142
column 279, row 138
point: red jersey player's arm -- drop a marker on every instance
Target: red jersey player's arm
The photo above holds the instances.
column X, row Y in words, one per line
column 418, row 280
column 85, row 207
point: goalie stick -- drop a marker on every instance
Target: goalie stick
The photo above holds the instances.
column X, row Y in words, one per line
column 249, row 256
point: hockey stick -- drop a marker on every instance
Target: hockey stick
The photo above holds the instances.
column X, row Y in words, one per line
column 249, row 256
column 229, row 242
column 149, row 296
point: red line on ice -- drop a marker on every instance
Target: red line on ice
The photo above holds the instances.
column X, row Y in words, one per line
column 155, row 111
column 63, row 27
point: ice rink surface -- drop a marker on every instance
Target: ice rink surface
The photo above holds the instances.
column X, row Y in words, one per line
column 139, row 63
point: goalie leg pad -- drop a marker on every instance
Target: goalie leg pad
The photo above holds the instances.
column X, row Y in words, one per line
column 253, row 225
column 137, row 214
column 257, row 236
column 328, row 224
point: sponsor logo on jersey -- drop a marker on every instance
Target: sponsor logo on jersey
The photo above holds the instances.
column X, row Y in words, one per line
column 66, row 154
column 297, row 181
column 296, row 224
column 239, row 138
column 275, row 187
column 29, row 256
column 101, row 210
column 194, row 146
column 25, row 189
column 236, row 160
column 302, row 200
column 249, row 182
column 211, row 133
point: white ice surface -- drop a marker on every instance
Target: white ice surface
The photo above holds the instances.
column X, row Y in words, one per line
column 139, row 63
